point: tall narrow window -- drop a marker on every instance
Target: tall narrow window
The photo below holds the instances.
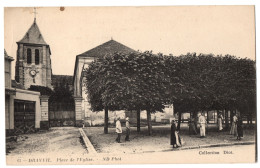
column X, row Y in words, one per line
column 37, row 57
column 29, row 56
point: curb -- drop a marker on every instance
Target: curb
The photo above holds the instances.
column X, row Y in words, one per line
column 87, row 142
column 205, row 146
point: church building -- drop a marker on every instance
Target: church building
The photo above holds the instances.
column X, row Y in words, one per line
column 82, row 107
column 68, row 104
column 33, row 62
column 27, row 110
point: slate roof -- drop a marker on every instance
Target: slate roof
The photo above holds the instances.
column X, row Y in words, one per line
column 65, row 79
column 107, row 48
column 33, row 36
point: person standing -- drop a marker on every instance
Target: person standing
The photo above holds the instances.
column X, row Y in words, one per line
column 175, row 138
column 118, row 130
column 192, row 128
column 220, row 119
column 127, row 126
column 202, row 122
column 233, row 130
column 239, row 128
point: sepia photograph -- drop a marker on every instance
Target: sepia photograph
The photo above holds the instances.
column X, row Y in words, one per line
column 130, row 85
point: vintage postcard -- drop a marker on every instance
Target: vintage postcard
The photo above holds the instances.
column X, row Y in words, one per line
column 130, row 85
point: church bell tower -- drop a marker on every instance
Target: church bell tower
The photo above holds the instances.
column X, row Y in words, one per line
column 33, row 63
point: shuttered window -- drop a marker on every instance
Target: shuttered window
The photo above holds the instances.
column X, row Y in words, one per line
column 29, row 56
column 37, row 57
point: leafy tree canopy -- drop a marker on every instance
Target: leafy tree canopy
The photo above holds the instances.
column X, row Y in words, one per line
column 192, row 82
column 42, row 89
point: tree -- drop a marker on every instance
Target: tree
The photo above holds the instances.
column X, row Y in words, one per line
column 132, row 81
column 192, row 83
column 207, row 82
column 95, row 85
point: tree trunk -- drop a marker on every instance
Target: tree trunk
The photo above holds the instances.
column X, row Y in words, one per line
column 231, row 116
column 149, row 124
column 195, row 116
column 251, row 119
column 106, row 121
column 179, row 121
column 226, row 120
column 207, row 117
column 217, row 118
column 173, row 112
column 214, row 116
column 138, row 120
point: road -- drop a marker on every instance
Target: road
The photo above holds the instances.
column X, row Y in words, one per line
column 62, row 141
column 62, row 146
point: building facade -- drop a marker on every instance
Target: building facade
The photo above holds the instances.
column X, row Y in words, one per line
column 27, row 110
column 9, row 94
column 83, row 112
column 24, row 109
column 33, row 62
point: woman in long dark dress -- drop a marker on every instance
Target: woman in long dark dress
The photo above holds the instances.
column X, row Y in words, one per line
column 239, row 128
column 192, row 128
column 175, row 138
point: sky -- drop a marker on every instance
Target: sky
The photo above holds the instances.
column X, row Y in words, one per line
column 169, row 30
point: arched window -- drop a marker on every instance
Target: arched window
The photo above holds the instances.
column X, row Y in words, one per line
column 29, row 56
column 37, row 57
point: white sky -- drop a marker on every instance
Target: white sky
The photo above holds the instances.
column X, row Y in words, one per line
column 177, row 30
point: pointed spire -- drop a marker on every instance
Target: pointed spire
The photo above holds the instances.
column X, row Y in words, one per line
column 33, row 36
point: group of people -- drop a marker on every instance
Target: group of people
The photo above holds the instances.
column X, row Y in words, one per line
column 236, row 127
column 202, row 126
column 119, row 129
column 175, row 137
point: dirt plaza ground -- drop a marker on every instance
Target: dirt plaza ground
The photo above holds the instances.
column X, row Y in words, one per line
column 67, row 141
column 159, row 140
column 58, row 140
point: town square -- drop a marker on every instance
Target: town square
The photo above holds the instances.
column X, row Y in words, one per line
column 83, row 82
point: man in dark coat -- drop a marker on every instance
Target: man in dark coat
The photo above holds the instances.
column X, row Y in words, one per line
column 239, row 128
column 175, row 138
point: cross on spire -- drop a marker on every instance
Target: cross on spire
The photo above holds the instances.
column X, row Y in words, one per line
column 34, row 14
